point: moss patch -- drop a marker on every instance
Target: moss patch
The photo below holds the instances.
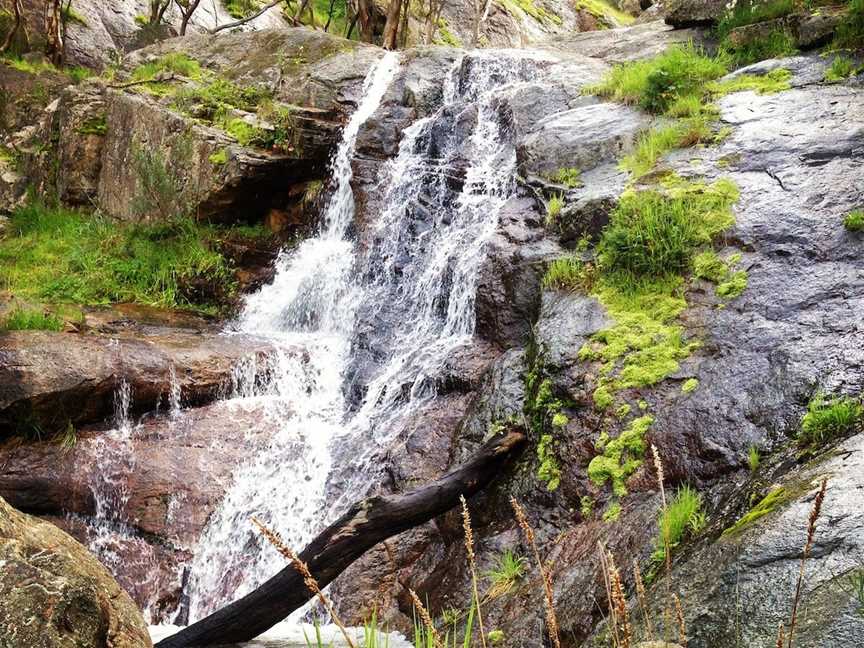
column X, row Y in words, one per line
column 774, row 81
column 771, row 502
column 620, row 456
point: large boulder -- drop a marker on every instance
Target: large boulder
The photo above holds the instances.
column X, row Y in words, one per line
column 687, row 13
column 56, row 595
column 50, row 381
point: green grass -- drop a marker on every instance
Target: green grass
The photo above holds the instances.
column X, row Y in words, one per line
column 31, row 320
column 683, row 516
column 173, row 62
column 841, row 68
column 850, row 32
column 733, row 286
column 854, row 221
column 567, row 273
column 653, row 144
column 553, row 208
column 220, row 157
column 729, row 283
column 509, row 569
column 827, row 420
column 655, row 84
column 777, row 44
column 241, row 8
column 621, row 456
column 94, row 126
column 612, row 512
column 570, row 177
column 753, row 458
column 774, row 81
column 64, row 256
column 529, row 8
column 749, row 12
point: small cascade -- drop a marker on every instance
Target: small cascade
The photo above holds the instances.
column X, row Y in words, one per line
column 377, row 320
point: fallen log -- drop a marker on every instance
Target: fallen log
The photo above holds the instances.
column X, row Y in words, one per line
column 364, row 525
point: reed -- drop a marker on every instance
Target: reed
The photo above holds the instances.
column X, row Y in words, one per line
column 642, row 598
column 808, row 545
column 472, row 565
column 426, row 619
column 658, row 466
column 548, row 594
column 275, row 539
column 682, row 628
column 619, row 602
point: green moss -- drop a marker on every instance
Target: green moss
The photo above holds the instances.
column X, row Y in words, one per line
column 444, row 36
column 690, row 385
column 586, row 506
column 854, row 221
column 545, row 417
column 774, row 81
column 730, row 284
column 621, row 456
column 94, row 126
column 549, row 472
column 220, row 157
column 603, row 397
column 529, row 8
column 606, row 12
column 767, row 505
column 734, row 284
column 612, row 512
column 64, row 256
column 31, row 320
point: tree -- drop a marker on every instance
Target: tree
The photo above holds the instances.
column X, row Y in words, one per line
column 433, row 17
column 481, row 12
column 187, row 8
column 157, row 11
column 17, row 26
column 391, row 27
column 55, row 29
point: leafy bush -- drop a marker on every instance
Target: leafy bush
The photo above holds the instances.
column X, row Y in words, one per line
column 854, row 221
column 31, row 320
column 827, row 420
column 64, row 256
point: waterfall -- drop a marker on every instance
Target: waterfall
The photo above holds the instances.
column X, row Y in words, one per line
column 376, row 322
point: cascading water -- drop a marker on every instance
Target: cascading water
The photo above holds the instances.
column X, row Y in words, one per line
column 378, row 320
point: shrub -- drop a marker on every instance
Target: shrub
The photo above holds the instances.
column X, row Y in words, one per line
column 854, row 221
column 682, row 516
column 31, row 320
column 827, row 420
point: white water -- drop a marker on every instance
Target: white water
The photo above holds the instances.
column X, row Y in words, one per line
column 406, row 300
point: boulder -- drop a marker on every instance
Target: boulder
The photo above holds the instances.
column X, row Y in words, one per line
column 56, row 595
column 50, row 381
column 689, row 13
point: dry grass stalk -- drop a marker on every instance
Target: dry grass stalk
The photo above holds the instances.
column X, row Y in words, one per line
column 642, row 597
column 607, row 583
column 619, row 602
column 780, row 637
column 426, row 619
column 549, row 599
column 667, row 549
column 469, row 549
column 311, row 584
column 808, row 545
column 682, row 629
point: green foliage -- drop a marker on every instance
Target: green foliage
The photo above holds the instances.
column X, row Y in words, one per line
column 655, row 84
column 241, row 8
column 373, row 636
column 734, row 284
column 159, row 190
column 749, row 12
column 854, row 221
column 769, row 83
column 213, row 99
column 654, row 235
column 777, row 44
column 730, row 284
column 612, row 512
column 31, row 320
column 586, row 506
column 830, row 419
column 753, row 458
column 317, row 641
column 570, row 177
column 78, row 73
column 850, row 32
column 173, row 62
column 496, row 637
column 655, row 143
column 69, row 15
column 683, row 516
column 63, row 256
column 621, row 456
column 553, row 208
column 606, row 12
column 567, row 273
column 94, row 126
column 549, row 471
column 775, row 498
column 690, row 385
column 841, row 68
column 36, row 67
column 444, row 36
column 509, row 568
column 220, row 157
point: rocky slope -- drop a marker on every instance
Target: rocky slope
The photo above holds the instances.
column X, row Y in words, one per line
column 795, row 156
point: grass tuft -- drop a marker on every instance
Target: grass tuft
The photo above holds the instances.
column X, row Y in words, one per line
column 827, row 420
column 854, row 221
column 681, row 517
column 841, row 68
column 850, row 32
column 31, row 320
column 774, row 81
column 568, row 273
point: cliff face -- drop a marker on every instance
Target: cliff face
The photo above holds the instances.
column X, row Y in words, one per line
column 748, row 363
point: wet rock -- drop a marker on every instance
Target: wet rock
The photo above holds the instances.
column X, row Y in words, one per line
column 687, row 13
column 54, row 593
column 565, row 323
column 49, row 381
column 582, row 138
column 587, row 208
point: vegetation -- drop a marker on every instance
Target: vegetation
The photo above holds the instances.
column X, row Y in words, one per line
column 621, row 456
column 241, row 8
column 605, row 11
column 777, row 44
column 854, row 221
column 749, row 12
column 841, row 68
column 655, row 143
column 567, row 273
column 730, row 283
column 62, row 256
column 682, row 516
column 690, row 385
column 753, row 458
column 570, row 177
column 612, row 512
column 827, row 420
column 31, row 320
column 553, row 208
column 771, row 82
column 850, row 32
column 768, row 504
column 509, row 569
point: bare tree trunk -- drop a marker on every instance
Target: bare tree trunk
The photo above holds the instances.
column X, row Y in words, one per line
column 432, row 19
column 391, row 27
column 352, row 23
column 364, row 525
column 187, row 8
column 17, row 26
column 157, row 11
column 261, row 11
column 403, row 30
column 54, row 32
column 329, row 15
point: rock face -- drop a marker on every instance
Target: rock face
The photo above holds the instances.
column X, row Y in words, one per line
column 50, row 381
column 686, row 13
column 55, row 594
